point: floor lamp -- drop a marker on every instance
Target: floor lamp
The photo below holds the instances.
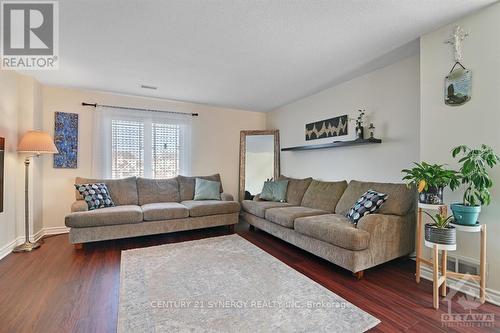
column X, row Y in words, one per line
column 35, row 143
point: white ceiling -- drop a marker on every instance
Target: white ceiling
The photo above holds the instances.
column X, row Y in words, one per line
column 254, row 55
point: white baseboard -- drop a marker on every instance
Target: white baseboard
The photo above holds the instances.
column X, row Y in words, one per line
column 466, row 287
column 4, row 251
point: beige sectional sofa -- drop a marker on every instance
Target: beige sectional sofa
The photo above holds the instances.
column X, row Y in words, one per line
column 313, row 218
column 148, row 206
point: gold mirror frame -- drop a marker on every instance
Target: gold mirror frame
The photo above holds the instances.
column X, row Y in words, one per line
column 243, row 135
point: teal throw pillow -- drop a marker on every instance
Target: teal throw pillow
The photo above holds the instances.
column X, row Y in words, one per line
column 274, row 190
column 206, row 189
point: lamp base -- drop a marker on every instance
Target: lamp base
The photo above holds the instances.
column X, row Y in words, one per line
column 26, row 247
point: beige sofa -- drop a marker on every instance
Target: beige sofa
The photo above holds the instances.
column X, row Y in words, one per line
column 148, row 206
column 313, row 218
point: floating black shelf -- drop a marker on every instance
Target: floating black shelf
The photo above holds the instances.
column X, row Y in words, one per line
column 334, row 144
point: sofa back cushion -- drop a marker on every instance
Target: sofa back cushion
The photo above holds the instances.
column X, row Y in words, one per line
column 324, row 195
column 400, row 200
column 157, row 190
column 296, row 189
column 122, row 191
column 187, row 184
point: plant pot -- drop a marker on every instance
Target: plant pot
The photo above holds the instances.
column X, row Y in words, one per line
column 446, row 236
column 466, row 215
column 432, row 196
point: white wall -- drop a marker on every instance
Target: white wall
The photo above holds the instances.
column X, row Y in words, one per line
column 215, row 141
column 8, row 129
column 476, row 122
column 391, row 98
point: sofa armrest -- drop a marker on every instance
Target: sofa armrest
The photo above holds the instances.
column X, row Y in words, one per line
column 79, row 206
column 226, row 197
column 391, row 236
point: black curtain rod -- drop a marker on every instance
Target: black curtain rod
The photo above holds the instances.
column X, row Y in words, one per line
column 139, row 109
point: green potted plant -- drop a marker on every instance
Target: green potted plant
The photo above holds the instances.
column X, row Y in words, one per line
column 430, row 180
column 474, row 164
column 440, row 232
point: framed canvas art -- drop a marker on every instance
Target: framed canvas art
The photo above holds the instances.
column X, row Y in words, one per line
column 66, row 140
column 327, row 128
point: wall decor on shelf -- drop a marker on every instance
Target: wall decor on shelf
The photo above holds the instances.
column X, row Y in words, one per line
column 327, row 128
column 2, row 150
column 458, row 82
column 66, row 140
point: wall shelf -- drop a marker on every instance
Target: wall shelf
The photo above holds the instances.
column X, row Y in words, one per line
column 334, row 144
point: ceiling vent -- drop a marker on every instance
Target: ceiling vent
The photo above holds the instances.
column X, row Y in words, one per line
column 143, row 86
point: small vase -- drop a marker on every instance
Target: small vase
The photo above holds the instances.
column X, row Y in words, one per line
column 433, row 196
column 446, row 236
column 360, row 133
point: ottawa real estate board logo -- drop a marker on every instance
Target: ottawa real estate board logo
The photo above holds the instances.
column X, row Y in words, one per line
column 30, row 35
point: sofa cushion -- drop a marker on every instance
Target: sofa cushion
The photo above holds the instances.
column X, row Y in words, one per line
column 206, row 189
column 400, row 199
column 122, row 191
column 296, row 189
column 274, row 190
column 258, row 208
column 368, row 203
column 211, row 207
column 164, row 211
column 125, row 214
column 157, row 190
column 285, row 216
column 334, row 229
column 324, row 195
column 95, row 195
column 187, row 184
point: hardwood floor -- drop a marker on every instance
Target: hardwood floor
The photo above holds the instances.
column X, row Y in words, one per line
column 59, row 289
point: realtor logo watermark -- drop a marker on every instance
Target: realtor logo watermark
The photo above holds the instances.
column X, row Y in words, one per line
column 471, row 316
column 30, row 35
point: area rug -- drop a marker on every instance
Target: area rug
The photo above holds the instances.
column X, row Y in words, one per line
column 226, row 284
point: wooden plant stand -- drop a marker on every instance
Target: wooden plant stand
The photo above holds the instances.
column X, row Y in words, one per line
column 439, row 282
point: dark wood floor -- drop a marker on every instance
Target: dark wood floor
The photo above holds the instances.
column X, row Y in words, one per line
column 58, row 289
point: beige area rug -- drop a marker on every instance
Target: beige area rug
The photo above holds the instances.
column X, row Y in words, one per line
column 226, row 284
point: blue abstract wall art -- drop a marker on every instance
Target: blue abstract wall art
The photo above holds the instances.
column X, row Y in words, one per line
column 66, row 140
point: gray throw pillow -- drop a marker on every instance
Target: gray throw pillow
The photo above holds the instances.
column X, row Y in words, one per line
column 206, row 189
column 274, row 190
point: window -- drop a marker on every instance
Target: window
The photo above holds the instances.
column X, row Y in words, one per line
column 142, row 144
column 127, row 148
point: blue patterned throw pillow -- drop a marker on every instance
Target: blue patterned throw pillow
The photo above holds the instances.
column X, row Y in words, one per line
column 96, row 195
column 369, row 203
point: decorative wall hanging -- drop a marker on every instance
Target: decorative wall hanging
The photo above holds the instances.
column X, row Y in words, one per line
column 458, row 83
column 458, row 86
column 66, row 140
column 327, row 128
column 2, row 150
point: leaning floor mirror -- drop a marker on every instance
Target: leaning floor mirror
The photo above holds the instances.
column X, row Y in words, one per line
column 259, row 161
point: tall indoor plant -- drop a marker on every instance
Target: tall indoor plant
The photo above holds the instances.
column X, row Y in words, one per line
column 474, row 164
column 430, row 180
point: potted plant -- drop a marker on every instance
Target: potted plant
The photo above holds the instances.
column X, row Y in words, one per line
column 440, row 232
column 474, row 164
column 430, row 180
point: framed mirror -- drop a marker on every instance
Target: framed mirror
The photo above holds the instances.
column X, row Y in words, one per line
column 259, row 160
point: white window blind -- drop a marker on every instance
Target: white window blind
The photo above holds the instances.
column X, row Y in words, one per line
column 140, row 143
column 127, row 148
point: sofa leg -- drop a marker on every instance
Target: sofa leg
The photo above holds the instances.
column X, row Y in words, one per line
column 251, row 228
column 78, row 246
column 359, row 275
column 231, row 228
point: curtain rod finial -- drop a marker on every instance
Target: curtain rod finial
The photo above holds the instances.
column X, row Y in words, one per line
column 89, row 104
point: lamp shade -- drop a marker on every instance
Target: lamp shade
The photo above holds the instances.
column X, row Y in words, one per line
column 37, row 142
